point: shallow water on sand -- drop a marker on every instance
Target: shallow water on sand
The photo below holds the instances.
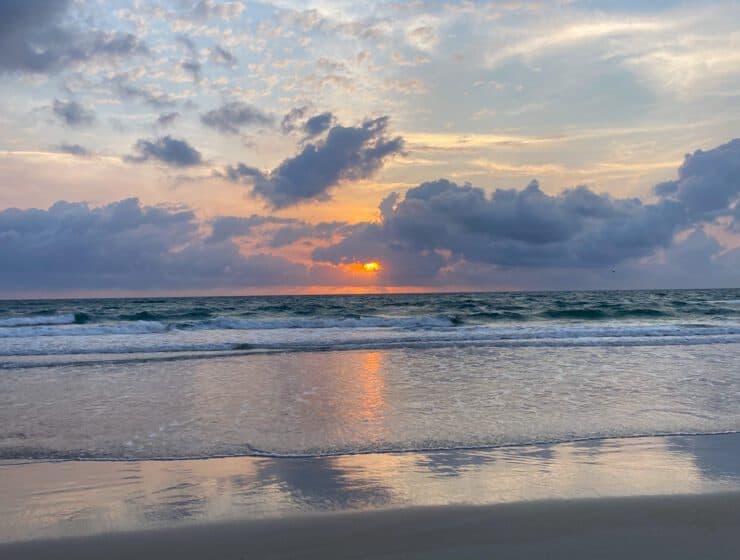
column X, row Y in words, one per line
column 78, row 498
column 361, row 401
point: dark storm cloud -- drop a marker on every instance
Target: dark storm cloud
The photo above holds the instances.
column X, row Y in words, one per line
column 124, row 245
column 230, row 117
column 34, row 38
column 318, row 124
column 168, row 150
column 74, row 149
column 72, row 113
column 347, row 153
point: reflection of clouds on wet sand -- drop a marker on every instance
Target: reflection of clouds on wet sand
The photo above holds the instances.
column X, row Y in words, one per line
column 326, row 483
column 716, row 462
column 453, row 463
column 89, row 497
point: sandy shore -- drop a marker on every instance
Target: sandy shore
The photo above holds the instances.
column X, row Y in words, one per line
column 50, row 500
column 697, row 526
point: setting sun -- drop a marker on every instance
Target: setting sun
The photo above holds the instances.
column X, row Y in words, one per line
column 371, row 266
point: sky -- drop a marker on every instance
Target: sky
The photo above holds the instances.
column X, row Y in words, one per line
column 213, row 147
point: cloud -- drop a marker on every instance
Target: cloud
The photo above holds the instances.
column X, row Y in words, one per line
column 74, row 149
column 440, row 225
column 230, row 117
column 439, row 233
column 291, row 119
column 188, row 43
column 347, row 154
column 318, row 124
column 220, row 55
column 35, row 38
column 273, row 231
column 708, row 182
column 168, row 150
column 125, row 245
column 167, row 119
column 192, row 67
column 207, row 9
column 72, row 113
column 126, row 90
column 405, row 86
column 528, row 228
column 228, row 227
column 302, row 231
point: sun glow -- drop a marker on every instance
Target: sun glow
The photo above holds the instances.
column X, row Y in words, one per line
column 362, row 273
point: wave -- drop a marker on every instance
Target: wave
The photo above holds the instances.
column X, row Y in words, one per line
column 66, row 319
column 483, row 316
column 159, row 339
column 595, row 314
column 69, row 326
column 424, row 327
column 196, row 313
column 431, row 314
column 72, row 328
column 575, row 314
column 229, row 323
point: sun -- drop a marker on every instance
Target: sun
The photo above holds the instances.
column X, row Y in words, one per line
column 373, row 266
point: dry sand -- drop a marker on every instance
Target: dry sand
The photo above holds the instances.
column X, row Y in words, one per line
column 701, row 526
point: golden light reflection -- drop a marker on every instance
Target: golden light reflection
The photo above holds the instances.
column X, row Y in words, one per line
column 372, row 386
column 371, row 266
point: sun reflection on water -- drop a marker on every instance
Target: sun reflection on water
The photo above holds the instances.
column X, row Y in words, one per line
column 372, row 386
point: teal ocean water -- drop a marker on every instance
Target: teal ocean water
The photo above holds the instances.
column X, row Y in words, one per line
column 327, row 375
column 66, row 327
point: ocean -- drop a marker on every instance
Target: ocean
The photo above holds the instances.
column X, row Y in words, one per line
column 316, row 376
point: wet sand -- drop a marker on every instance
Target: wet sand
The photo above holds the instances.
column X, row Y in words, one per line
column 694, row 526
column 676, row 496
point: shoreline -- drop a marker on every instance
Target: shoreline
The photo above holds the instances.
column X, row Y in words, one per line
column 259, row 454
column 682, row 526
column 47, row 500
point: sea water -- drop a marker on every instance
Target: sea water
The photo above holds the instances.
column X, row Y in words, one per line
column 330, row 375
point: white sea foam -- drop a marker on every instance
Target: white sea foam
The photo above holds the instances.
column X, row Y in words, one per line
column 65, row 319
column 149, row 336
column 68, row 330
